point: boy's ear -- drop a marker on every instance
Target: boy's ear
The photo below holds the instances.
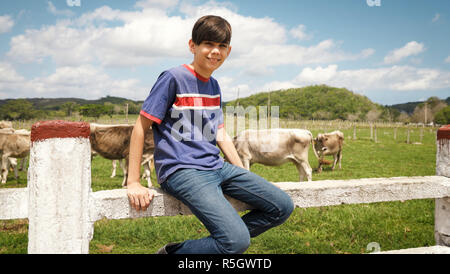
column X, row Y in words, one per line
column 191, row 46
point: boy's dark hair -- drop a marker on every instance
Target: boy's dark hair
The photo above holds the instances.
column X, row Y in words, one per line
column 211, row 28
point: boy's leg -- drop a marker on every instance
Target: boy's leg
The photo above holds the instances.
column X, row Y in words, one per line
column 201, row 192
column 272, row 206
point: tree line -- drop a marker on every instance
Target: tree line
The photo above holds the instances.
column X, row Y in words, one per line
column 322, row 102
column 24, row 109
column 319, row 102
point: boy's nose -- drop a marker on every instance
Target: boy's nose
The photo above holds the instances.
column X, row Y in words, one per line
column 215, row 50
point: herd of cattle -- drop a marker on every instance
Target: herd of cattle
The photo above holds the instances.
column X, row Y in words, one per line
column 271, row 147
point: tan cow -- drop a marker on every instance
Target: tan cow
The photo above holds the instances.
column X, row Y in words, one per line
column 14, row 145
column 5, row 124
column 329, row 144
column 147, row 163
column 113, row 142
column 274, row 147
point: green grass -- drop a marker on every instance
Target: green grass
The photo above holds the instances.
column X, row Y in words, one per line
column 333, row 229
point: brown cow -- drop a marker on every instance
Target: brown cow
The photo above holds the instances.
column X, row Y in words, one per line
column 113, row 142
column 329, row 144
column 5, row 124
column 15, row 145
column 274, row 147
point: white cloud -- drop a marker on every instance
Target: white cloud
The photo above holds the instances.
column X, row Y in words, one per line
column 299, row 32
column 231, row 90
column 436, row 17
column 400, row 78
column 6, row 23
column 53, row 10
column 156, row 3
column 411, row 48
column 8, row 74
column 82, row 82
column 447, row 60
column 147, row 35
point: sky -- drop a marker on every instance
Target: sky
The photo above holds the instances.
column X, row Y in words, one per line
column 390, row 51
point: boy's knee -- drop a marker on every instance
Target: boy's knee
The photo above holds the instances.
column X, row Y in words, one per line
column 237, row 243
column 285, row 209
column 288, row 208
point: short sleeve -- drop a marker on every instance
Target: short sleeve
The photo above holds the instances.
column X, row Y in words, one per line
column 160, row 99
column 221, row 123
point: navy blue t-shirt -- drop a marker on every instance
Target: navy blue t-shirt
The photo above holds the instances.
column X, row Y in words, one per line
column 186, row 111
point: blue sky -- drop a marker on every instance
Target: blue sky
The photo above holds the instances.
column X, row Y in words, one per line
column 394, row 52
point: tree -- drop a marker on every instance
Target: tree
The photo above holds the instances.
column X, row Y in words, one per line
column 68, row 108
column 19, row 109
column 92, row 110
column 425, row 112
column 443, row 116
column 373, row 115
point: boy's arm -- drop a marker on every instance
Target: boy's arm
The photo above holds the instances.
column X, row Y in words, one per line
column 226, row 145
column 138, row 195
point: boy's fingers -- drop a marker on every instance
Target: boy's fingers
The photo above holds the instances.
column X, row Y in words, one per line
column 147, row 201
column 142, row 202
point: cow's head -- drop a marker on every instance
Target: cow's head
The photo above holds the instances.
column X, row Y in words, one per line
column 320, row 143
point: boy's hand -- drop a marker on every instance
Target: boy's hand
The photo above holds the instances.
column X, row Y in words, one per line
column 139, row 196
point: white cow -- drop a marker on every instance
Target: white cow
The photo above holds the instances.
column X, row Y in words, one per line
column 113, row 142
column 274, row 147
column 12, row 145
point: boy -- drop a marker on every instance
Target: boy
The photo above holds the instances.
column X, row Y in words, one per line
column 184, row 107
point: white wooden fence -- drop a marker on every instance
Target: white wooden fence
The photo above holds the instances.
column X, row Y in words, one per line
column 61, row 207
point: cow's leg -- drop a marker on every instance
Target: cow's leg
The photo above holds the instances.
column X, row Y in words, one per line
column 301, row 173
column 307, row 169
column 22, row 163
column 147, row 174
column 304, row 170
column 335, row 158
column 340, row 159
column 125, row 172
column 319, row 168
column 13, row 163
column 5, row 166
column 114, row 165
column 246, row 163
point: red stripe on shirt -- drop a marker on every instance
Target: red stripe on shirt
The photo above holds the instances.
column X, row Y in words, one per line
column 151, row 117
column 201, row 78
column 197, row 102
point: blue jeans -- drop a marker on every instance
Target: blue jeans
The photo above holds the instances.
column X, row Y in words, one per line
column 203, row 192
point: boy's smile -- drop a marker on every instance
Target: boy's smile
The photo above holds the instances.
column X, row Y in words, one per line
column 208, row 56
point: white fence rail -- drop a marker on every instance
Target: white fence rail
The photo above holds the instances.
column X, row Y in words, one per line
column 62, row 208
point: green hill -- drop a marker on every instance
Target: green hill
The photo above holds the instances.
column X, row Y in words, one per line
column 318, row 102
column 56, row 103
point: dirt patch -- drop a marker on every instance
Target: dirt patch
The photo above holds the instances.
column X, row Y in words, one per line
column 14, row 226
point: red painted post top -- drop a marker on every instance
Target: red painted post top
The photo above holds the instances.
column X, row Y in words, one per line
column 59, row 129
column 443, row 132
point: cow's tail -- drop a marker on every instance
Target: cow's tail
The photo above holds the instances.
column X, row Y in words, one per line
column 313, row 148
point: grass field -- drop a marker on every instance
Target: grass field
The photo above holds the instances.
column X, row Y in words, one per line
column 334, row 229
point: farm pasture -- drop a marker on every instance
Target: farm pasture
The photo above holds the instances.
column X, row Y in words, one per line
column 334, row 229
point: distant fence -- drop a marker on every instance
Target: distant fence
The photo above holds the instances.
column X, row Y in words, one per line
column 62, row 209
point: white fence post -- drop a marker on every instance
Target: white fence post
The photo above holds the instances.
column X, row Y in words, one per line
column 442, row 206
column 59, row 184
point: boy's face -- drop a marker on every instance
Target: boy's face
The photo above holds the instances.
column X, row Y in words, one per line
column 209, row 56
